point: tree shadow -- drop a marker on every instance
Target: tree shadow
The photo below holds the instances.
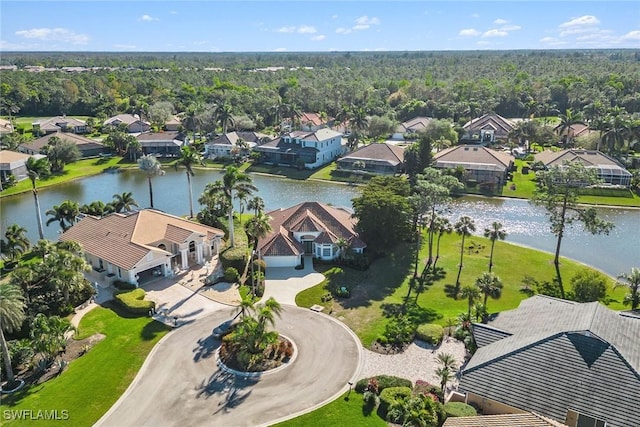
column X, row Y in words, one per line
column 206, row 348
column 451, row 291
column 416, row 313
column 233, row 389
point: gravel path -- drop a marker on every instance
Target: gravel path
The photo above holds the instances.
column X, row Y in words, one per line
column 417, row 362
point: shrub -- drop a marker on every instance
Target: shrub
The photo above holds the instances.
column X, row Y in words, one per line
column 423, row 387
column 231, row 274
column 392, row 397
column 123, row 286
column 383, row 381
column 134, row 302
column 459, row 409
column 235, row 257
column 400, row 330
column 259, row 265
column 430, row 332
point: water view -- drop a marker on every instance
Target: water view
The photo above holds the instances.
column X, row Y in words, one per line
column 526, row 224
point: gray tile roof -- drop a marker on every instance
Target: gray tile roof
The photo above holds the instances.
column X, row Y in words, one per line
column 388, row 153
column 561, row 355
column 505, row 420
column 485, row 334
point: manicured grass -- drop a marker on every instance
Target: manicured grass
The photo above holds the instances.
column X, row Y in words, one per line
column 92, row 383
column 323, row 173
column 386, row 283
column 72, row 171
column 340, row 412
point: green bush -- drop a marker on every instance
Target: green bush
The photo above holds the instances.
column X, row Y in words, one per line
column 392, row 397
column 134, row 302
column 459, row 409
column 384, row 381
column 124, row 286
column 430, row 332
column 400, row 330
column 231, row 274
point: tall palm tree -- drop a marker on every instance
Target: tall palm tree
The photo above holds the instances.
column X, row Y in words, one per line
column 69, row 269
column 443, row 226
column 66, row 214
column 256, row 204
column 188, row 159
column 495, row 232
column 192, row 120
column 96, row 208
column 490, row 285
column 234, row 181
column 567, row 121
column 16, row 242
column 37, row 168
column 124, row 202
column 11, row 317
column 151, row 166
column 224, row 116
column 631, row 281
column 246, row 306
column 471, row 294
column 343, row 246
column 258, row 227
column 616, row 129
column 464, row 227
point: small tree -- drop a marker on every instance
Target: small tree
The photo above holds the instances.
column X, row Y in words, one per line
column 588, row 286
column 631, row 281
column 495, row 232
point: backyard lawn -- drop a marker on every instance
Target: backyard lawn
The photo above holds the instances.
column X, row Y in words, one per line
column 92, row 383
column 384, row 286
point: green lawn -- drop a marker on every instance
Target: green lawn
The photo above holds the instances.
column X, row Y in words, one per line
column 386, row 283
column 340, row 412
column 92, row 383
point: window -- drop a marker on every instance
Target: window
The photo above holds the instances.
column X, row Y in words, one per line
column 101, row 264
column 192, row 246
column 326, row 251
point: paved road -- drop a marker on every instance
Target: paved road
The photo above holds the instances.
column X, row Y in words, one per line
column 180, row 383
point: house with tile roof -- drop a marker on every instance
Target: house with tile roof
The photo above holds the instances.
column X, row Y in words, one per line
column 576, row 130
column 309, row 228
column 59, row 124
column 487, row 129
column 13, row 163
column 311, row 122
column 5, row 126
column 165, row 144
column 132, row 122
column 609, row 170
column 174, row 123
column 576, row 363
column 377, row 158
column 482, row 164
column 525, row 419
column 411, row 126
column 315, row 148
column 134, row 247
column 228, row 144
column 88, row 147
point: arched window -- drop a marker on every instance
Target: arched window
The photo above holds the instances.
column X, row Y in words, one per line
column 162, row 246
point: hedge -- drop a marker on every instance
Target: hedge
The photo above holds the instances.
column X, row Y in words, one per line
column 392, row 397
column 459, row 409
column 430, row 333
column 235, row 257
column 134, row 302
column 384, row 381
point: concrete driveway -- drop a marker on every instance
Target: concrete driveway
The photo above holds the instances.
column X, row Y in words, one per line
column 181, row 384
column 284, row 283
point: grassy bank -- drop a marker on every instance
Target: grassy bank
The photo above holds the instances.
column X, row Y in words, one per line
column 92, row 383
column 383, row 287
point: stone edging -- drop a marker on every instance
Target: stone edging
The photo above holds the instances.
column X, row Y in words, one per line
column 228, row 370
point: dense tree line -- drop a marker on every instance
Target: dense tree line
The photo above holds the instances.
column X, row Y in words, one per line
column 396, row 85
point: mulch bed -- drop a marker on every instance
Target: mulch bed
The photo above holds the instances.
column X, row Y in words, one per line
column 387, row 349
column 275, row 356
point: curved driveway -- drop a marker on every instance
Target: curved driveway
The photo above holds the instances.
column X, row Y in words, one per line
column 180, row 383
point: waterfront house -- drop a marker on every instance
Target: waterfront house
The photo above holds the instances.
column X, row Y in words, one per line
column 487, row 129
column 233, row 143
column 165, row 144
column 313, row 149
column 481, row 164
column 131, row 122
column 13, row 163
column 609, row 170
column 87, row 147
column 376, row 158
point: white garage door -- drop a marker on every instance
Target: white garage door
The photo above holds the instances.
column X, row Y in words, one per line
column 281, row 261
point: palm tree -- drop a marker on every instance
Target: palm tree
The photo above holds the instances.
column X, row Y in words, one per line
column 258, row 227
column 151, row 166
column 616, row 128
column 490, row 285
column 192, row 120
column 445, row 370
column 496, row 232
column 96, row 208
column 256, row 204
column 188, row 159
column 69, row 269
column 11, row 317
column 66, row 214
column 443, row 226
column 471, row 294
column 16, row 242
column 343, row 246
column 567, row 121
column 631, row 281
column 224, row 116
column 464, row 227
column 37, row 168
column 124, row 202
column 235, row 181
column 48, row 334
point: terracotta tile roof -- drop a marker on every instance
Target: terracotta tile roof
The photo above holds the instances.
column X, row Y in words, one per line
column 55, row 122
column 496, row 122
column 280, row 244
column 124, row 118
column 505, row 420
column 124, row 240
column 7, row 156
column 82, row 142
column 586, row 157
column 474, row 156
column 390, row 153
column 313, row 118
column 168, row 135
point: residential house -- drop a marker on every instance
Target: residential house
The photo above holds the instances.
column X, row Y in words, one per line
column 315, row 148
column 131, row 122
column 59, row 124
column 487, row 129
column 382, row 158
column 609, row 170
column 311, row 122
column 135, row 247
column 576, row 130
column 576, row 363
column 524, row 419
column 173, row 124
column 227, row 145
column 412, row 126
column 13, row 163
column 482, row 164
column 87, row 147
column 5, row 126
column 309, row 228
column 166, row 144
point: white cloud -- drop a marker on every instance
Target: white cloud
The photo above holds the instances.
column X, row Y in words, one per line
column 469, row 32
column 581, row 21
column 510, row 28
column 632, row 35
column 280, row 49
column 5, row 45
column 552, row 41
column 342, row 30
column 500, row 21
column 365, row 20
column 306, row 29
column 291, row 29
column 54, row 34
column 147, row 18
column 495, row 33
column 319, row 37
column 361, row 23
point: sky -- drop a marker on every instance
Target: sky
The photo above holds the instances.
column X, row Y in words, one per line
column 295, row 26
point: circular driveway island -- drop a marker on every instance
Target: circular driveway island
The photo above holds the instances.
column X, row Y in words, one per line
column 181, row 384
